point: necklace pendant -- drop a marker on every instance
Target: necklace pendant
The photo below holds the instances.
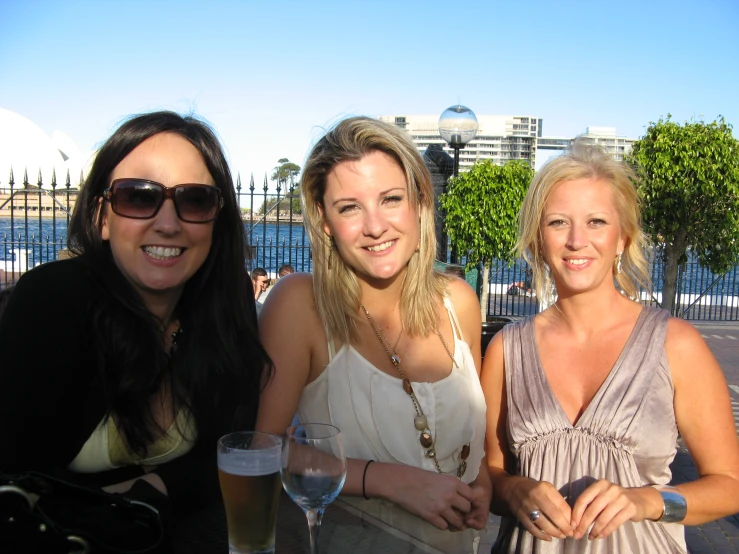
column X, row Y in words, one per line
column 465, row 452
column 407, row 386
column 427, row 440
column 395, row 359
column 421, row 422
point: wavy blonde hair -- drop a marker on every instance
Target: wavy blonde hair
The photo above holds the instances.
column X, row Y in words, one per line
column 585, row 161
column 337, row 291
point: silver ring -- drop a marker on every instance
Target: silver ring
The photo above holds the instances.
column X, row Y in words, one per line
column 534, row 515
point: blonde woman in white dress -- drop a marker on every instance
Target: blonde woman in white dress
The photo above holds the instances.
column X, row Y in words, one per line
column 379, row 344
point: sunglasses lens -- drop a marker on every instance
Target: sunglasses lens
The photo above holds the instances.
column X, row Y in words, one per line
column 136, row 199
column 197, row 203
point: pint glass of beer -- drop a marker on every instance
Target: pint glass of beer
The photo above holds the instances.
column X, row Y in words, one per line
column 249, row 473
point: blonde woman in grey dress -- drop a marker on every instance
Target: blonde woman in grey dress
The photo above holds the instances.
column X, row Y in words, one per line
column 586, row 398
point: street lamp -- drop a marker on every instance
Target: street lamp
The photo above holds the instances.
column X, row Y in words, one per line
column 457, row 126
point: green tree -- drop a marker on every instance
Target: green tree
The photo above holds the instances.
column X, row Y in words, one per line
column 286, row 176
column 482, row 207
column 689, row 181
column 291, row 198
column 285, row 173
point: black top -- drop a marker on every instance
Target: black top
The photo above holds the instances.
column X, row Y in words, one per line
column 50, row 397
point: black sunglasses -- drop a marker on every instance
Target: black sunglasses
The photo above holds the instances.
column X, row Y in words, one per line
column 142, row 199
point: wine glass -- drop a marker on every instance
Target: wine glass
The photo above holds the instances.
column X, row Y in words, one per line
column 313, row 470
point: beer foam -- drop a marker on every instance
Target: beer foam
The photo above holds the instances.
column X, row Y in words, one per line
column 248, row 465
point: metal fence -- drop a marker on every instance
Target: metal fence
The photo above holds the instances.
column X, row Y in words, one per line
column 701, row 295
column 274, row 226
column 34, row 220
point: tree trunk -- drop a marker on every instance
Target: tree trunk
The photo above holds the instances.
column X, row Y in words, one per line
column 484, row 292
column 673, row 252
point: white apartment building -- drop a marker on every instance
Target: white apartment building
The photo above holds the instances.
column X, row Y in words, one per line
column 604, row 137
column 499, row 137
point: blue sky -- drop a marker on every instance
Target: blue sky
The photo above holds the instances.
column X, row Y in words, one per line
column 270, row 75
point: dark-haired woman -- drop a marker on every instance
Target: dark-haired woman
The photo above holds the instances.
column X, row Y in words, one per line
column 128, row 361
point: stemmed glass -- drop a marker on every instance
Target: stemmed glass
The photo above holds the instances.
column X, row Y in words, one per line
column 313, row 471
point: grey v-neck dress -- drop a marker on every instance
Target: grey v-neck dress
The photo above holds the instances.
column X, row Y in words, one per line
column 626, row 435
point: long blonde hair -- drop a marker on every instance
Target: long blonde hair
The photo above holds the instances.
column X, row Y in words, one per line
column 582, row 161
column 337, row 291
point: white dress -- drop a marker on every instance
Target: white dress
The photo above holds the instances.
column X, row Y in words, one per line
column 375, row 417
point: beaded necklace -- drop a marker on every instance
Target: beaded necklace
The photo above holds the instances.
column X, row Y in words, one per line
column 420, row 421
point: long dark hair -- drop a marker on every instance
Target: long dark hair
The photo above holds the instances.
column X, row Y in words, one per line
column 216, row 368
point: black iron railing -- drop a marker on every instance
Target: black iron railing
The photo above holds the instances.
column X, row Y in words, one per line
column 700, row 295
column 34, row 220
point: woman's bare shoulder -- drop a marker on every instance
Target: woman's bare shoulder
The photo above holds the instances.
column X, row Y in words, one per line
column 686, row 350
column 291, row 288
column 291, row 302
column 463, row 296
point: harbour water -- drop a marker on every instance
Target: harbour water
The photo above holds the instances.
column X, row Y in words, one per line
column 275, row 244
column 271, row 244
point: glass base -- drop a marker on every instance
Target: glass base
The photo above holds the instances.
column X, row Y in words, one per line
column 232, row 550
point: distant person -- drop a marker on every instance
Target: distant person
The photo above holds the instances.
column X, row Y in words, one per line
column 285, row 269
column 154, row 352
column 586, row 399
column 524, row 287
column 456, row 270
column 260, row 280
column 379, row 344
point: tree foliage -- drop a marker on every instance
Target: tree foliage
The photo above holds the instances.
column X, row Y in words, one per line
column 285, row 203
column 482, row 207
column 689, row 182
column 285, row 173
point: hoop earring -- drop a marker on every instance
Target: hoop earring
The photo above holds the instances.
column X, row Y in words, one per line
column 330, row 250
column 618, row 263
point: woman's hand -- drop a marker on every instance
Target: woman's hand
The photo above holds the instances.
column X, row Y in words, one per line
column 442, row 500
column 482, row 492
column 524, row 495
column 607, row 506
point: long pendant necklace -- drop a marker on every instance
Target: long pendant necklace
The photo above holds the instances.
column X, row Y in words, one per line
column 420, row 421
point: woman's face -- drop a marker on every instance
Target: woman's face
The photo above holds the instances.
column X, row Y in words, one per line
column 367, row 211
column 581, row 235
column 160, row 254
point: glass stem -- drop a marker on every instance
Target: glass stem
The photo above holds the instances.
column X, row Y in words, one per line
column 314, row 525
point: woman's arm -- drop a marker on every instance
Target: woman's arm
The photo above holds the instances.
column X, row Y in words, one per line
column 467, row 307
column 442, row 500
column 288, row 328
column 46, row 371
column 706, row 423
column 513, row 494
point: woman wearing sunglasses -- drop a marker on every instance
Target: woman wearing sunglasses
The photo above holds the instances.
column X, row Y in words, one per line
column 124, row 364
